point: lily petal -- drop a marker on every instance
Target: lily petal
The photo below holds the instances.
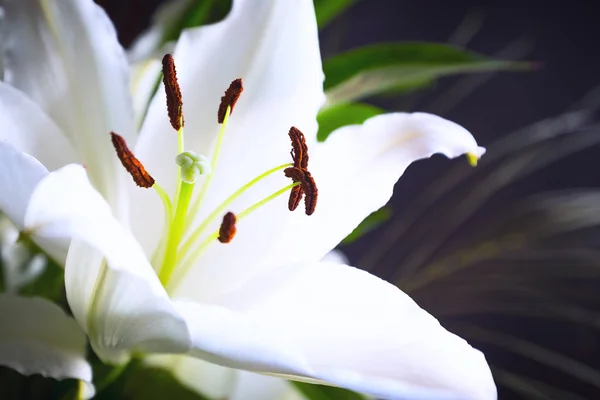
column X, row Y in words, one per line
column 37, row 337
column 210, row 380
column 27, row 127
column 273, row 46
column 249, row 385
column 64, row 55
column 217, row 382
column 19, row 175
column 333, row 323
column 355, row 170
column 111, row 287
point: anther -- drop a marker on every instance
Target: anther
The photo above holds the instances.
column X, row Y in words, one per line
column 299, row 148
column 295, row 197
column 231, row 96
column 174, row 99
column 227, row 230
column 309, row 189
column 131, row 163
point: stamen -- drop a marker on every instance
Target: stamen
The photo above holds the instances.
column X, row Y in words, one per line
column 131, row 163
column 309, row 188
column 299, row 148
column 188, row 261
column 173, row 92
column 193, row 238
column 232, row 94
column 227, row 230
column 295, row 197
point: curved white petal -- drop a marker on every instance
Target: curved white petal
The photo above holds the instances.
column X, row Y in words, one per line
column 19, row 175
column 64, row 55
column 37, row 337
column 336, row 257
column 217, row 382
column 210, row 380
column 144, row 76
column 273, row 46
column 355, row 171
column 27, row 127
column 249, row 385
column 334, row 323
column 111, row 287
column 147, row 44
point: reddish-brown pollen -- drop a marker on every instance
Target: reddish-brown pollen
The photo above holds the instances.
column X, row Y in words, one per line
column 309, row 189
column 228, row 229
column 231, row 96
column 173, row 92
column 131, row 163
column 299, row 148
column 299, row 173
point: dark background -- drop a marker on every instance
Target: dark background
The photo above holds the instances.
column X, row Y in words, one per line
column 562, row 38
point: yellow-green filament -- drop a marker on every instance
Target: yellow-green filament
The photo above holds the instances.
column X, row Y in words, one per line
column 168, row 218
column 221, row 208
column 176, row 232
column 180, row 147
column 213, row 164
column 193, row 257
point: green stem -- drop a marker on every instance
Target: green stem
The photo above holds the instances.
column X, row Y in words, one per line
column 176, row 232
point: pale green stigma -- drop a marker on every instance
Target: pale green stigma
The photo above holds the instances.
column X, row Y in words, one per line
column 192, row 166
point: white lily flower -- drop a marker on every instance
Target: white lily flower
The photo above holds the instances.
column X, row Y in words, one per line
column 37, row 337
column 263, row 302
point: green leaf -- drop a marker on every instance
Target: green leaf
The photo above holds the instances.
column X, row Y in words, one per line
column 371, row 222
column 36, row 387
column 196, row 13
column 340, row 115
column 400, row 67
column 327, row 10
column 140, row 382
column 49, row 285
column 319, row 392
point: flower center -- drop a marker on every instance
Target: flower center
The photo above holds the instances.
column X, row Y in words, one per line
column 174, row 256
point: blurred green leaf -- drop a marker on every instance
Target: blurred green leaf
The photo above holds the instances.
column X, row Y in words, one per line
column 140, row 382
column 320, row 392
column 49, row 285
column 15, row 386
column 400, row 67
column 335, row 117
column 195, row 13
column 327, row 10
column 371, row 222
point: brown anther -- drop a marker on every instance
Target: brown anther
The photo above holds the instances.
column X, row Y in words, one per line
column 231, row 96
column 295, row 197
column 131, row 164
column 299, row 148
column 174, row 99
column 227, row 229
column 309, row 189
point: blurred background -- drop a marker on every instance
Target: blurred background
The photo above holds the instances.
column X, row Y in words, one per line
column 506, row 255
